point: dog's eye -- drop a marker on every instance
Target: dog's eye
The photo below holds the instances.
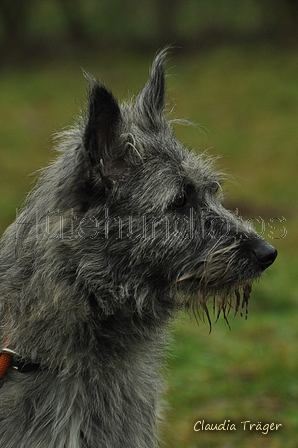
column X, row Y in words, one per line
column 180, row 200
column 215, row 187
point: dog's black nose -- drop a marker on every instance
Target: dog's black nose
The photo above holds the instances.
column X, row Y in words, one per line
column 264, row 253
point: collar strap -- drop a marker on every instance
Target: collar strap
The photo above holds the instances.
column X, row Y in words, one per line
column 24, row 366
column 5, row 360
column 9, row 358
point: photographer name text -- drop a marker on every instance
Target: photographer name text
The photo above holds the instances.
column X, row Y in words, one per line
column 246, row 425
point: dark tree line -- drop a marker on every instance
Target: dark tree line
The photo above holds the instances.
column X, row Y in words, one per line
column 40, row 26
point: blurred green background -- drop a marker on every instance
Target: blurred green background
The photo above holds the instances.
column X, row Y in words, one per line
column 234, row 71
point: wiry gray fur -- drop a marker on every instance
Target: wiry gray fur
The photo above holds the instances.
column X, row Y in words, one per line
column 123, row 230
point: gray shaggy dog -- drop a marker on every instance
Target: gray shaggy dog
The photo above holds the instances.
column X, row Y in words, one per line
column 121, row 232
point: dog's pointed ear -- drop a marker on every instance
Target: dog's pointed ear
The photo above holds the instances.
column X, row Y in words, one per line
column 102, row 127
column 150, row 102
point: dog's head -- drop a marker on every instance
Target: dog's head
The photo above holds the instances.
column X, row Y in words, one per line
column 168, row 229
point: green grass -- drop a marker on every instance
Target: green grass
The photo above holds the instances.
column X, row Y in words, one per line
column 247, row 99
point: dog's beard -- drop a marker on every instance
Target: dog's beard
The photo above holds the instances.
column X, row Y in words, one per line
column 198, row 300
column 214, row 285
